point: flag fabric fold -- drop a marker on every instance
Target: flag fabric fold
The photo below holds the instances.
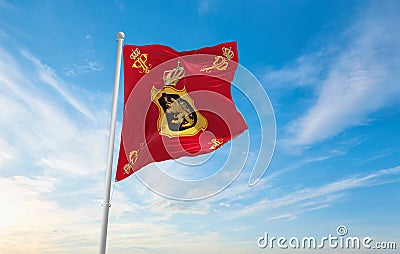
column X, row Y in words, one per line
column 176, row 104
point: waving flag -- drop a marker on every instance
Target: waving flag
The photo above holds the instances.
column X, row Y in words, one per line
column 176, row 104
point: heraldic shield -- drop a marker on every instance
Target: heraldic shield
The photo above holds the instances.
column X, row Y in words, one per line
column 177, row 113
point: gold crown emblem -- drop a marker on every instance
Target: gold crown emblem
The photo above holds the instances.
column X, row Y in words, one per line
column 135, row 53
column 171, row 77
column 228, row 53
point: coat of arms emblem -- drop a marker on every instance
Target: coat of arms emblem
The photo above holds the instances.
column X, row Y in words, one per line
column 177, row 113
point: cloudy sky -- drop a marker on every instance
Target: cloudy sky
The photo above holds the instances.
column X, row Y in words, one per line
column 331, row 72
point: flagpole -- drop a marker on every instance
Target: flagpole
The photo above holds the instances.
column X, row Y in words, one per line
column 106, row 203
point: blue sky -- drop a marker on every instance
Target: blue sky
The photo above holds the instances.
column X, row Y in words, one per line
column 330, row 69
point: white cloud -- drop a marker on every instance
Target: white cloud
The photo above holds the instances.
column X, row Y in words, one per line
column 48, row 76
column 19, row 192
column 41, row 129
column 150, row 237
column 287, row 216
column 7, row 152
column 46, row 134
column 88, row 66
column 352, row 79
column 314, row 198
column 32, row 221
column 303, row 72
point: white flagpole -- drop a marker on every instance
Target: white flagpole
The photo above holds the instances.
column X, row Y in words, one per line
column 106, row 204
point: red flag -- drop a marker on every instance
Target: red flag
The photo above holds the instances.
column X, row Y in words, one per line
column 176, row 104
